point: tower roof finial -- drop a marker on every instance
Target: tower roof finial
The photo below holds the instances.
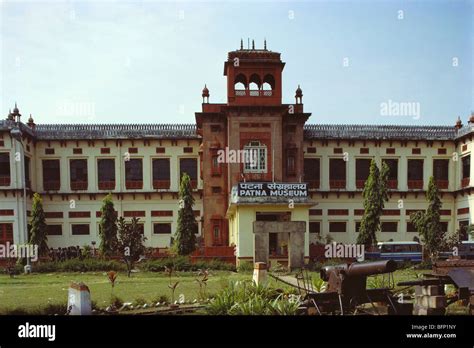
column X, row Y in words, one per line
column 265, row 44
column 253, row 44
column 241, row 44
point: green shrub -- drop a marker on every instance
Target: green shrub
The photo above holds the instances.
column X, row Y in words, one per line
column 48, row 309
column 183, row 263
column 162, row 299
column 139, row 301
column 246, row 298
column 245, row 266
column 116, row 301
column 76, row 265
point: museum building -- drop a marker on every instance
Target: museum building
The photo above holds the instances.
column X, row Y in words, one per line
column 304, row 184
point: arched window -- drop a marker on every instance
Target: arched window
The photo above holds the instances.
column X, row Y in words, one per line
column 268, row 85
column 240, row 84
column 254, row 85
column 255, row 157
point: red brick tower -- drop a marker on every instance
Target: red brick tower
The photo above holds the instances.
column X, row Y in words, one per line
column 255, row 120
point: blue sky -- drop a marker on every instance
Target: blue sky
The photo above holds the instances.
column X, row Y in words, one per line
column 147, row 62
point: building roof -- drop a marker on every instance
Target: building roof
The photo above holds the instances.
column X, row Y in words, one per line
column 379, row 132
column 114, row 131
column 180, row 131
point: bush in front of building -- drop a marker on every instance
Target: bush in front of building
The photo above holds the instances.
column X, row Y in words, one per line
column 184, row 264
column 77, row 265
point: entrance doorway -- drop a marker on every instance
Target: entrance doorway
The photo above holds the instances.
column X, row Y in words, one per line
column 277, row 242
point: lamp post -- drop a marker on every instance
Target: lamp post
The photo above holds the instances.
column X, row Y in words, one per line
column 16, row 134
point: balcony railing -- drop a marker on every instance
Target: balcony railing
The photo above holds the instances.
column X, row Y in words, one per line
column 134, row 184
column 194, row 184
column 415, row 184
column 51, row 185
column 78, row 185
column 360, row 184
column 161, row 184
column 106, row 185
column 465, row 182
column 337, row 184
column 314, row 184
column 442, row 184
column 253, row 93
column 392, row 184
column 5, row 181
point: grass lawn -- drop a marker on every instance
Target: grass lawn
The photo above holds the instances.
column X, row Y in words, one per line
column 35, row 291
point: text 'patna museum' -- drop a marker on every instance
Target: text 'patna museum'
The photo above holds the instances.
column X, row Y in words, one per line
column 305, row 181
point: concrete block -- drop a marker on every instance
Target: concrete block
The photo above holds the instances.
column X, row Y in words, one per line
column 79, row 299
column 432, row 290
column 421, row 310
column 431, row 301
column 260, row 276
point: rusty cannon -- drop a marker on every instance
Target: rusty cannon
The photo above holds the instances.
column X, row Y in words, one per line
column 346, row 289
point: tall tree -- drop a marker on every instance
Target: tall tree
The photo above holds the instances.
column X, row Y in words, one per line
column 108, row 227
column 130, row 242
column 38, row 229
column 375, row 196
column 428, row 223
column 185, row 236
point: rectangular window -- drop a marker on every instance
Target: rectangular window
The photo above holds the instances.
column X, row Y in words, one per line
column 291, row 162
column 411, row 227
column 5, row 178
column 337, row 173
column 312, row 172
column 162, row 228
column 161, row 173
column 80, row 229
column 392, row 167
column 215, row 165
column 415, row 174
column 51, row 175
column 362, row 171
column 6, row 233
column 466, row 170
column 389, row 226
column 189, row 166
column 54, row 230
column 27, row 171
column 255, row 157
column 337, row 226
column 441, row 173
column 106, row 173
column 134, row 173
column 463, row 226
column 357, row 226
column 78, row 169
column 314, row 227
